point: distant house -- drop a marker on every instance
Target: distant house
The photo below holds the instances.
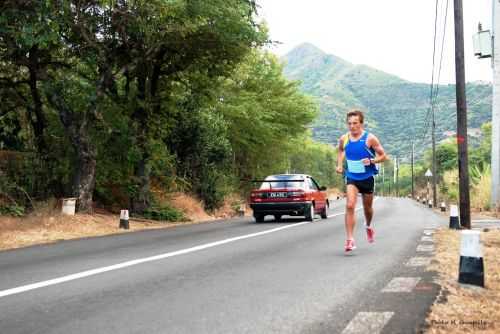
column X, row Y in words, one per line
column 474, row 132
column 471, row 132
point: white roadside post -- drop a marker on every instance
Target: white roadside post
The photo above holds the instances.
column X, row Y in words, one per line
column 454, row 221
column 241, row 210
column 471, row 259
column 428, row 175
column 69, row 206
column 443, row 207
column 124, row 219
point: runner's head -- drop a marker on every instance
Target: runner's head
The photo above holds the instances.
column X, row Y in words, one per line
column 355, row 120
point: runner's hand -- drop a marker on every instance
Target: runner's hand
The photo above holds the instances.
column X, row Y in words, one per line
column 366, row 162
column 340, row 169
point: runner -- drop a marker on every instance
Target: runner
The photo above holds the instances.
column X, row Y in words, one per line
column 362, row 150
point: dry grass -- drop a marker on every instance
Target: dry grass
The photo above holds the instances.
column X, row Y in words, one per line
column 464, row 308
column 39, row 229
column 190, row 206
column 481, row 192
column 49, row 225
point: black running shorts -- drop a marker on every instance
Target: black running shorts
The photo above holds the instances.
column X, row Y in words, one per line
column 365, row 186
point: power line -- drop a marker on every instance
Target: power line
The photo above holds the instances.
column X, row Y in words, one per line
column 433, row 66
column 434, row 92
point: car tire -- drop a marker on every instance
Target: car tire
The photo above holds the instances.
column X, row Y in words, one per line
column 277, row 218
column 323, row 213
column 309, row 214
column 259, row 218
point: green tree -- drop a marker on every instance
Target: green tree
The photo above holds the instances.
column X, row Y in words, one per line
column 264, row 112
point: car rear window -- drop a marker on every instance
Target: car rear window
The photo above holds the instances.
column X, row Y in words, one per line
column 282, row 182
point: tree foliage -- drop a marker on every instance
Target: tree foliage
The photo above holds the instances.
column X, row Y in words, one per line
column 111, row 98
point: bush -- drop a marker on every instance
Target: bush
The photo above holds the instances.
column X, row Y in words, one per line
column 12, row 210
column 213, row 189
column 449, row 186
column 481, row 187
column 165, row 213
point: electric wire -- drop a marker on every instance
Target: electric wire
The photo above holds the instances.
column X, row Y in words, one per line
column 433, row 71
column 434, row 89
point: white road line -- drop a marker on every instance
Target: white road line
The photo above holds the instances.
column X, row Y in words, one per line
column 427, row 239
column 92, row 272
column 428, row 232
column 425, row 248
column 368, row 323
column 418, row 261
column 101, row 270
column 485, row 221
column 401, row 284
column 343, row 213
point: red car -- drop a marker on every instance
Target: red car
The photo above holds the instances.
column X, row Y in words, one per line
column 288, row 194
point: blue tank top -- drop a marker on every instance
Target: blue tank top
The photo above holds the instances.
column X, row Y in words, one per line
column 355, row 151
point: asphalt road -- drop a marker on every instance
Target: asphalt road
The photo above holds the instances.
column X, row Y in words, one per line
column 233, row 276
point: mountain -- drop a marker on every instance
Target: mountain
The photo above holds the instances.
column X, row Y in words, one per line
column 396, row 110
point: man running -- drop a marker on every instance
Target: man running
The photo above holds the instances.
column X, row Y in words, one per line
column 362, row 150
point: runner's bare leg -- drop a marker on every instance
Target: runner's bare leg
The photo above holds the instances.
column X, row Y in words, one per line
column 368, row 208
column 352, row 194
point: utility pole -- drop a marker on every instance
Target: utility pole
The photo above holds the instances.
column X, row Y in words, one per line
column 390, row 182
column 383, row 179
column 463, row 165
column 495, row 121
column 412, row 172
column 397, row 176
column 434, row 178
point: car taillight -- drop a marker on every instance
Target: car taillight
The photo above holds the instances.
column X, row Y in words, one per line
column 297, row 195
column 255, row 196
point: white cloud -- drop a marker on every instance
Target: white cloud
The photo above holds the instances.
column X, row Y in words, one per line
column 395, row 36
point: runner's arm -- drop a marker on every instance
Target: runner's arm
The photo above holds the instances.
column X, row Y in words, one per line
column 374, row 143
column 340, row 155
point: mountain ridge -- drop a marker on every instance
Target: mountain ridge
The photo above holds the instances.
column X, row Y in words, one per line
column 396, row 109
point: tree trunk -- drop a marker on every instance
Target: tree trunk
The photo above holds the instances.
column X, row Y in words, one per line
column 78, row 132
column 39, row 123
column 142, row 200
column 84, row 183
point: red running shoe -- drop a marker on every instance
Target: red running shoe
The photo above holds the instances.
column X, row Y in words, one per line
column 370, row 234
column 349, row 245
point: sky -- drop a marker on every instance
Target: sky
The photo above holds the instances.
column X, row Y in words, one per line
column 395, row 36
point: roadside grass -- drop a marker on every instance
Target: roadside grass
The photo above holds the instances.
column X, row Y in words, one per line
column 464, row 308
column 39, row 228
column 48, row 225
column 481, row 190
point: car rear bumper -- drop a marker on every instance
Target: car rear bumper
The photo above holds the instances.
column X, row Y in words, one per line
column 282, row 208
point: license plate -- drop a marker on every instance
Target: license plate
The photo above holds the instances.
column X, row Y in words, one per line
column 277, row 195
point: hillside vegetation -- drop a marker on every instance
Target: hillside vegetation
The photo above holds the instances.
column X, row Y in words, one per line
column 396, row 110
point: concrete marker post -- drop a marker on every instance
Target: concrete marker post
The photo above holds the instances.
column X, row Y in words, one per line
column 430, row 204
column 241, row 210
column 454, row 221
column 471, row 268
column 443, row 207
column 69, row 206
column 124, row 219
